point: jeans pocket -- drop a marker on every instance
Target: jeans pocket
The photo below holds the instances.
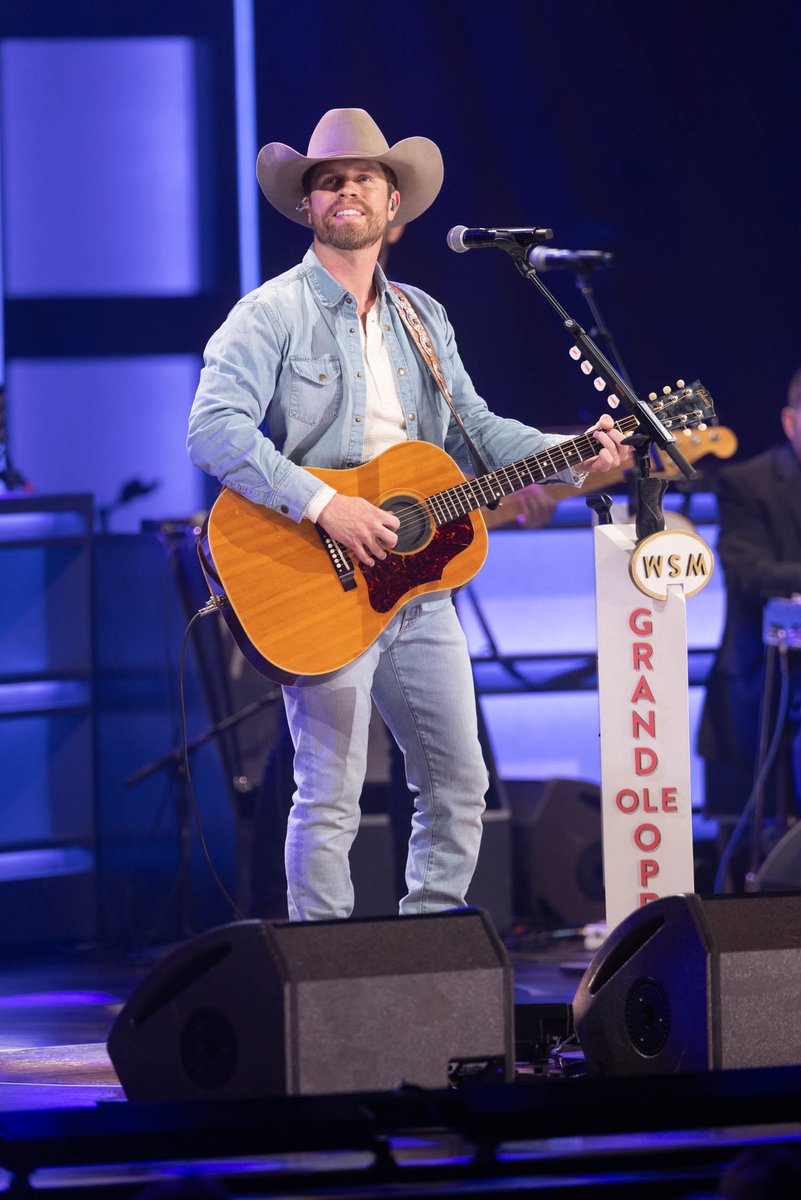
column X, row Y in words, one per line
column 411, row 615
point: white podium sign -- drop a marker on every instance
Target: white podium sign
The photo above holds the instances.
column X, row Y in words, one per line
column 644, row 713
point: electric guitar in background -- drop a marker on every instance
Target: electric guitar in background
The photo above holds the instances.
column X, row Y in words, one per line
column 697, row 443
column 298, row 603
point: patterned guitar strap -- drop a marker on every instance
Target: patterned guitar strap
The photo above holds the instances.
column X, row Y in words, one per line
column 417, row 332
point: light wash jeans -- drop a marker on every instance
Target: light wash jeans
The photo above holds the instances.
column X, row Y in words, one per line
column 419, row 674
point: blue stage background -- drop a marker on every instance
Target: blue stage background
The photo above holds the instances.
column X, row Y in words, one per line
column 132, row 221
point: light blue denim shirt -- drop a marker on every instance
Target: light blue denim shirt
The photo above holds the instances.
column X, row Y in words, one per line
column 283, row 387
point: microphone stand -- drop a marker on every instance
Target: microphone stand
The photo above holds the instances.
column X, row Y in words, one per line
column 651, row 431
column 173, row 762
column 600, row 331
column 646, row 503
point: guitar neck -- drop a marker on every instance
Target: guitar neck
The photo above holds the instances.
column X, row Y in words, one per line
column 484, row 489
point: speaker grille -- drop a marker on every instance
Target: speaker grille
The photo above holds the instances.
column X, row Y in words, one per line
column 648, row 1017
column 209, row 1048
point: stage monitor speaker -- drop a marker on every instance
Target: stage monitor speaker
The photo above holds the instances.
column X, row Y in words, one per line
column 781, row 870
column 557, row 851
column 694, row 984
column 260, row 1008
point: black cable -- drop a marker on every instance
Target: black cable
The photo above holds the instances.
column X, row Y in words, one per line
column 136, row 936
column 764, row 770
column 210, row 607
column 151, row 933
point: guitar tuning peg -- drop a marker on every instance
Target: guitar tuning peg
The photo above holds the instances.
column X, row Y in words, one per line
column 612, row 400
column 574, row 353
column 586, row 367
column 598, row 383
column 665, row 390
column 652, row 395
column 680, row 383
column 702, row 425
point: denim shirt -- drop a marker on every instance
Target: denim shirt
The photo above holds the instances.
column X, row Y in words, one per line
column 283, row 387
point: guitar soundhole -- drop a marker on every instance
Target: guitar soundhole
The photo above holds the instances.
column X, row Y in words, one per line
column 415, row 523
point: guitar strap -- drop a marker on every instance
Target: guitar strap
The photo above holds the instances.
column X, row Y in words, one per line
column 417, row 332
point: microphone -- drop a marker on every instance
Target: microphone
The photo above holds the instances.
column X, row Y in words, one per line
column 543, row 258
column 460, row 238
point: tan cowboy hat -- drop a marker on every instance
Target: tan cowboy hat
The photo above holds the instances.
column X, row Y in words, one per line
column 351, row 133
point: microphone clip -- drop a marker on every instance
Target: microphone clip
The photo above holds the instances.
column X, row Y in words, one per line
column 521, row 241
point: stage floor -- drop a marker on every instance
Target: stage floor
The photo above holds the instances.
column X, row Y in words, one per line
column 65, row 1124
column 57, row 1008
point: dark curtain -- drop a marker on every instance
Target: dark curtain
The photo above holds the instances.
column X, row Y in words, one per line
column 666, row 133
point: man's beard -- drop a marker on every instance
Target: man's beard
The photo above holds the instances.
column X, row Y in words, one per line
column 349, row 235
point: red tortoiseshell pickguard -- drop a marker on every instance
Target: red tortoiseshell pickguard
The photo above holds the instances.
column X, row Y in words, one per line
column 389, row 580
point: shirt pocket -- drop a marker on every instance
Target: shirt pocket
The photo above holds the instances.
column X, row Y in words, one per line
column 315, row 390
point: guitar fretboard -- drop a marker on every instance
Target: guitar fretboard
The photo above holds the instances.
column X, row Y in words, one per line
column 475, row 493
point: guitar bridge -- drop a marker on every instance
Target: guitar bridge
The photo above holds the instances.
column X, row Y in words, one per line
column 340, row 560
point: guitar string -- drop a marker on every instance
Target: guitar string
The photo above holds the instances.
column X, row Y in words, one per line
column 437, row 505
column 573, row 451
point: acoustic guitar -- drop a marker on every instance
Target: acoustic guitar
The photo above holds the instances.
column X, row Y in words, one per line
column 298, row 603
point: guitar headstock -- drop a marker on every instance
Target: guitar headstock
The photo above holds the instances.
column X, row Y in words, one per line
column 685, row 407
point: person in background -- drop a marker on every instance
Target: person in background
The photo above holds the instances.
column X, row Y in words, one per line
column 759, row 548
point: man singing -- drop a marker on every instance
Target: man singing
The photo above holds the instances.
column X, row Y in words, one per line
column 316, row 369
